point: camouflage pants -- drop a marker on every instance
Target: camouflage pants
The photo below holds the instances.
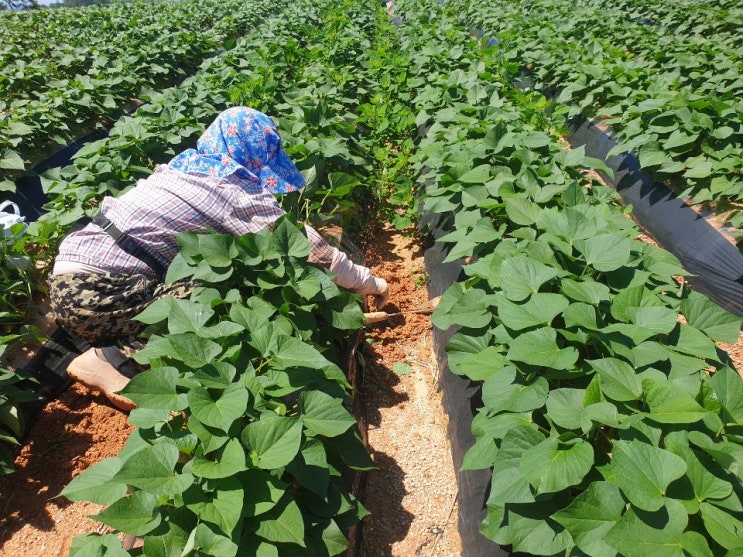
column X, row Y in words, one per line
column 100, row 309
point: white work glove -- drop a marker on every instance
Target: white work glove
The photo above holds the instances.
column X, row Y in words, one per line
column 380, row 291
column 359, row 279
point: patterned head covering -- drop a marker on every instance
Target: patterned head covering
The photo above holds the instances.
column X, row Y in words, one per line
column 246, row 143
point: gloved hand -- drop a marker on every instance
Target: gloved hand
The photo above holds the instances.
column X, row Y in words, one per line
column 359, row 279
column 381, row 293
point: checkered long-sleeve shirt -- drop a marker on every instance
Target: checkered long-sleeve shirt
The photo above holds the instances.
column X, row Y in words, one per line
column 169, row 202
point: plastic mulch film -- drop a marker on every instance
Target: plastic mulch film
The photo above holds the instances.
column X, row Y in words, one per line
column 704, row 251
column 461, row 398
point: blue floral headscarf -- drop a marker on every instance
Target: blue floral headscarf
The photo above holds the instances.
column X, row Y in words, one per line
column 245, row 143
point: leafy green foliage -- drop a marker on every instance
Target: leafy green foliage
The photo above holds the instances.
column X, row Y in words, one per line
column 242, row 414
column 21, row 281
column 603, row 413
column 15, row 388
column 66, row 72
column 655, row 72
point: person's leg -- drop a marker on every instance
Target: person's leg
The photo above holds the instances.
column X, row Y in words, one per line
column 100, row 309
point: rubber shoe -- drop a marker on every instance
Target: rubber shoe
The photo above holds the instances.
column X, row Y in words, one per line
column 99, row 375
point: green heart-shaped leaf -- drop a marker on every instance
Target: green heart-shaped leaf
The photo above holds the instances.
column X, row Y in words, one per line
column 221, row 409
column 325, row 415
column 521, row 276
column 552, row 466
column 591, row 515
column 274, row 440
column 643, row 472
column 540, row 348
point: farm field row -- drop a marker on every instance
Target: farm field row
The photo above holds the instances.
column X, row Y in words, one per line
column 303, row 321
column 562, row 304
column 666, row 79
column 64, row 72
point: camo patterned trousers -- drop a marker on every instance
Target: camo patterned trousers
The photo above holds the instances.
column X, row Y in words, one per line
column 100, row 309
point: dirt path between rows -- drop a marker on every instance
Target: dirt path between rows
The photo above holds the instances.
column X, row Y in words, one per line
column 73, row 432
column 412, row 496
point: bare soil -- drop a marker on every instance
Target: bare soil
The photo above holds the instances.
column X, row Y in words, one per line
column 72, row 433
column 412, row 496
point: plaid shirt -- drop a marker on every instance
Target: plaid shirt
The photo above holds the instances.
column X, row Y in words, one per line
column 169, row 202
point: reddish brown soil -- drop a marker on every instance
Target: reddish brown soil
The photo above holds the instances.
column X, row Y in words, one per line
column 73, row 432
column 413, row 495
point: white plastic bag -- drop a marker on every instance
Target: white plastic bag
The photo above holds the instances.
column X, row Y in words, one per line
column 9, row 218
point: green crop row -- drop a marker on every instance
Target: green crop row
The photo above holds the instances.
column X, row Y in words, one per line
column 670, row 95
column 65, row 72
column 40, row 47
column 170, row 121
column 242, row 434
column 715, row 17
column 610, row 417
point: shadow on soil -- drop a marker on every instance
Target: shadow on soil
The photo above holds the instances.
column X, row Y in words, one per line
column 44, row 470
column 379, row 392
column 389, row 521
column 384, row 489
